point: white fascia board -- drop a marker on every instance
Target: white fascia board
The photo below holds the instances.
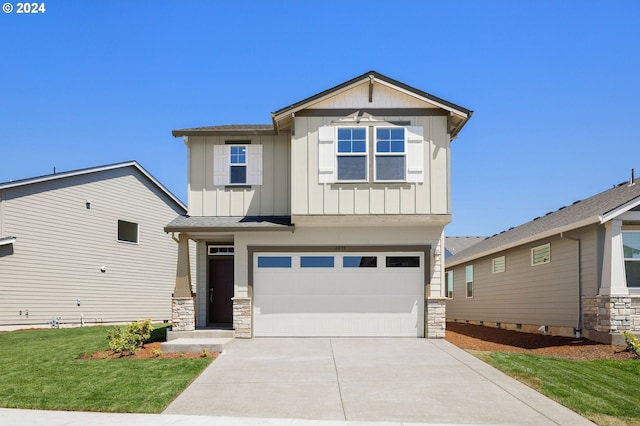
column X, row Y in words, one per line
column 541, row 236
column 427, row 100
column 620, row 210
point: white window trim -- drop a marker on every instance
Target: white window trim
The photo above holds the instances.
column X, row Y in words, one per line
column 547, row 260
column 222, row 165
column 466, row 281
column 377, row 154
column 244, row 164
column 414, row 153
column 352, row 154
column 504, row 265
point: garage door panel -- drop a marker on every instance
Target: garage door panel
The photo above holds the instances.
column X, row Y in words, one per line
column 339, row 301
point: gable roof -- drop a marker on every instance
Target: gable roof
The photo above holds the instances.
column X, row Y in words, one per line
column 599, row 208
column 453, row 245
column 282, row 117
column 79, row 172
column 462, row 114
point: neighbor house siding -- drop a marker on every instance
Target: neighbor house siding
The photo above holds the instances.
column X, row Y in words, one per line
column 545, row 294
column 269, row 199
column 61, row 246
column 309, row 197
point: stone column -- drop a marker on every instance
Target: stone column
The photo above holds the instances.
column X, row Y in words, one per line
column 436, row 321
column 242, row 317
column 183, row 305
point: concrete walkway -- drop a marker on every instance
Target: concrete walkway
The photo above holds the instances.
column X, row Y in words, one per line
column 364, row 380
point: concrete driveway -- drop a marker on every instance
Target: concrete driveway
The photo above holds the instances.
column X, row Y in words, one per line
column 364, row 379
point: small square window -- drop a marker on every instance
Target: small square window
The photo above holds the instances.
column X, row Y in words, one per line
column 127, row 231
column 498, row 265
column 541, row 255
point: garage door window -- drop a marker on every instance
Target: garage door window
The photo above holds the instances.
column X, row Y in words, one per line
column 403, row 261
column 359, row 262
column 274, row 261
column 316, row 261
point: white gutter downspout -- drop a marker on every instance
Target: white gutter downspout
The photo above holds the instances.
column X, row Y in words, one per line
column 578, row 331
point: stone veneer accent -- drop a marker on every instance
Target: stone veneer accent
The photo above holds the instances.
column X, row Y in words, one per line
column 183, row 314
column 436, row 317
column 242, row 317
column 611, row 315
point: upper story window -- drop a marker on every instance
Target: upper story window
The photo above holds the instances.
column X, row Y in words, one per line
column 344, row 154
column 390, row 164
column 237, row 164
column 351, row 159
column 631, row 250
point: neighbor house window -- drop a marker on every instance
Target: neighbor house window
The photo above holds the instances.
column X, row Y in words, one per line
column 469, row 280
column 541, row 255
column 390, row 161
column 631, row 249
column 352, row 154
column 238, row 165
column 127, row 231
column 498, row 265
column 449, row 283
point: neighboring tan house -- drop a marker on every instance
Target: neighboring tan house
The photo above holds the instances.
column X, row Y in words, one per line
column 574, row 271
column 86, row 247
column 327, row 222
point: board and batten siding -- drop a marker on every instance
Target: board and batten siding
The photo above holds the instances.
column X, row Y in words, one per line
column 272, row 198
column 54, row 270
column 310, row 197
column 545, row 294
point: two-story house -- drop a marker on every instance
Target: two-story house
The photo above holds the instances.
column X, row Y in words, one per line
column 327, row 222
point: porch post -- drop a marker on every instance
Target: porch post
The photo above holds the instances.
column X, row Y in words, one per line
column 614, row 280
column 183, row 306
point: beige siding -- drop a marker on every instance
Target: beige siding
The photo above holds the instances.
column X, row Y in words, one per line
column 269, row 199
column 309, row 197
column 383, row 97
column 524, row 294
column 61, row 246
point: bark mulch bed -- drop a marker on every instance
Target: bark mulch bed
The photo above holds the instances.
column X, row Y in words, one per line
column 491, row 339
column 147, row 352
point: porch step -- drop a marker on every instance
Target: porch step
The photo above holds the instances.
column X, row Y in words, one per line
column 201, row 334
column 195, row 344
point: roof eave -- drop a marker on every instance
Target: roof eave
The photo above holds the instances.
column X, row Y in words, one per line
column 612, row 214
column 222, row 132
column 541, row 236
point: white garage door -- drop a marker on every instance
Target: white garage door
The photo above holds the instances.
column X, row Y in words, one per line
column 346, row 294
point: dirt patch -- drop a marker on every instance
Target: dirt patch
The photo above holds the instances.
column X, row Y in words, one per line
column 150, row 350
column 491, row 339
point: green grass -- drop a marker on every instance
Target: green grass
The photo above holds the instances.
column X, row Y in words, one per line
column 40, row 370
column 604, row 391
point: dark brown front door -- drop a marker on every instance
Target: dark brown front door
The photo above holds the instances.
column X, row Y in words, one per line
column 220, row 308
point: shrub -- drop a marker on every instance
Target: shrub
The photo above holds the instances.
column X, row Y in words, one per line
column 633, row 344
column 156, row 353
column 204, row 353
column 126, row 342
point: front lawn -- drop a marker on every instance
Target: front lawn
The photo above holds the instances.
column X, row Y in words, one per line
column 41, row 370
column 604, row 391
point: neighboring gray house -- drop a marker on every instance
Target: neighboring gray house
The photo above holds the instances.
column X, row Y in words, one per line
column 453, row 245
column 574, row 271
column 327, row 222
column 86, row 247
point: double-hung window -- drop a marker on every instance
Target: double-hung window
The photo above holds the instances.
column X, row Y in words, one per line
column 469, row 280
column 352, row 154
column 390, row 157
column 631, row 250
column 238, row 165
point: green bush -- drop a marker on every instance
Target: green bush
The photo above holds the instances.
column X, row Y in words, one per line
column 128, row 341
column 633, row 344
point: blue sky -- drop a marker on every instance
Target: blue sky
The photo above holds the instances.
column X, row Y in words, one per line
column 554, row 86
